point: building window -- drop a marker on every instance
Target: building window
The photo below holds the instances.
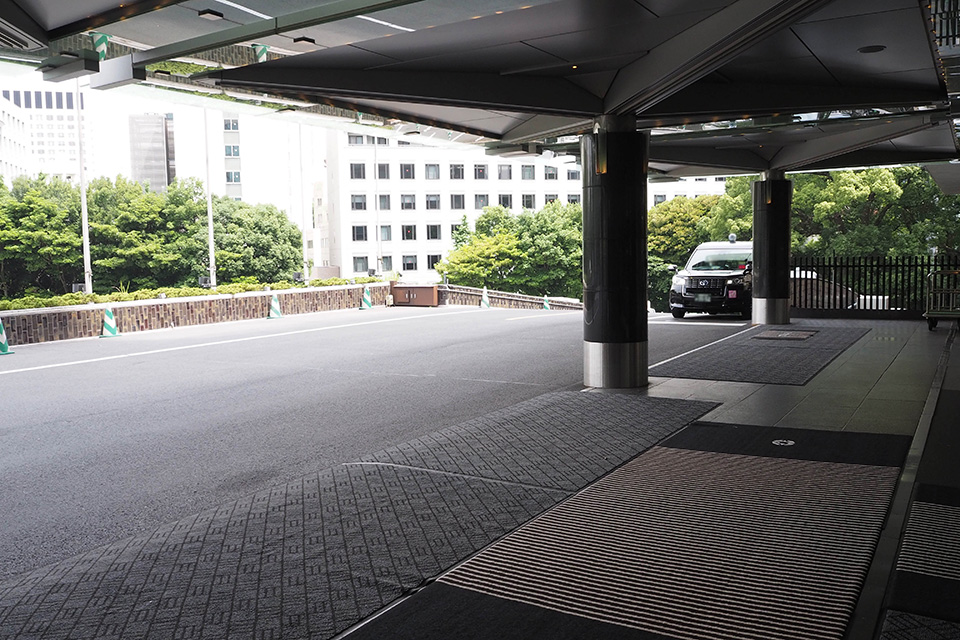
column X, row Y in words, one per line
column 504, row 172
column 480, row 171
column 383, row 171
column 432, row 171
column 721, row 179
column 432, row 260
column 456, row 172
column 354, row 139
column 506, row 200
column 230, row 124
column 360, row 233
column 573, row 174
column 358, row 203
column 550, row 197
column 409, row 263
column 528, row 172
column 481, row 200
column 382, row 141
column 433, row 201
column 371, row 140
column 231, row 150
column 549, row 173
column 573, row 198
column 658, row 198
column 403, row 143
column 386, row 232
column 233, row 177
column 387, row 262
column 384, row 202
column 529, row 201
column 699, row 179
column 358, row 171
column 409, row 231
column 456, row 201
column 433, row 232
column 360, row 264
column 408, row 201
column 406, row 172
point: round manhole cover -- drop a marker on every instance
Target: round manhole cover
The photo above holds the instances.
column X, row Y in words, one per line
column 784, row 443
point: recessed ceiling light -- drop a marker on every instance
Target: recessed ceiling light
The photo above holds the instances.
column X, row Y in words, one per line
column 873, row 48
column 210, row 14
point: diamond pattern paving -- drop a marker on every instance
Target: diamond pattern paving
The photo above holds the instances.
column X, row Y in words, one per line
column 312, row 557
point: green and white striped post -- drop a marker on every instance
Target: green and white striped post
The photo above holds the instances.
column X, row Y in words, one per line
column 109, row 324
column 274, row 308
column 366, row 302
column 261, row 51
column 4, row 346
column 100, row 41
column 546, row 303
column 485, row 300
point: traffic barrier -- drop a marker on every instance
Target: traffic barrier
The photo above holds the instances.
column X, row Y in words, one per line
column 485, row 300
column 109, row 324
column 4, row 346
column 546, row 303
column 365, row 302
column 274, row 308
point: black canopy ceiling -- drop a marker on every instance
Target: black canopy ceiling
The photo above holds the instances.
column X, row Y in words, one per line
column 726, row 86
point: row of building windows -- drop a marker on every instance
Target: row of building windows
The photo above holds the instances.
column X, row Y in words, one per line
column 407, row 232
column 358, row 202
column 361, row 264
column 41, row 99
column 358, row 171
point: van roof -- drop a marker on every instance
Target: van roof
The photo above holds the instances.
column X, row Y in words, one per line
column 726, row 245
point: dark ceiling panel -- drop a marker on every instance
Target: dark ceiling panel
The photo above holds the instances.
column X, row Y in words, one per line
column 507, row 56
column 847, row 8
column 165, row 26
column 836, row 42
column 664, row 8
column 51, row 14
column 432, row 13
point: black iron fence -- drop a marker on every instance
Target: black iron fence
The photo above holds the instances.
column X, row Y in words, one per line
column 863, row 287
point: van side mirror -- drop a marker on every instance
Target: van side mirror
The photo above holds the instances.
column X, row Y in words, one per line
column 672, row 268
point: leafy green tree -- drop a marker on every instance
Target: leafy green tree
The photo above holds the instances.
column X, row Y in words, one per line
column 733, row 212
column 45, row 240
column 552, row 242
column 677, row 226
column 258, row 241
column 495, row 220
column 486, row 261
column 462, row 234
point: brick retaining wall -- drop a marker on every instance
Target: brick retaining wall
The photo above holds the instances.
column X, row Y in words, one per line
column 470, row 296
column 81, row 321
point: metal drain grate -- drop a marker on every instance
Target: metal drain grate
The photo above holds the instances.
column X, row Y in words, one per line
column 930, row 544
column 773, row 334
column 700, row 546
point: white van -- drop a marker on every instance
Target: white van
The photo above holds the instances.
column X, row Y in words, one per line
column 716, row 279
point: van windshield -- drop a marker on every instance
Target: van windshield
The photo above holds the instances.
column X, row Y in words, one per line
column 719, row 260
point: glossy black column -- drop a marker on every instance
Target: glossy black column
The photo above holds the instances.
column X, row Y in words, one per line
column 614, row 173
column 772, row 198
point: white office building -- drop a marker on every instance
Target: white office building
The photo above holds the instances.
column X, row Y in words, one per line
column 46, row 121
column 392, row 204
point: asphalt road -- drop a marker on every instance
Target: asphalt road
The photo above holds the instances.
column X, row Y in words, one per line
column 101, row 439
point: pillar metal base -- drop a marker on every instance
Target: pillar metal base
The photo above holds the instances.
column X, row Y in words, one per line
column 615, row 365
column 771, row 311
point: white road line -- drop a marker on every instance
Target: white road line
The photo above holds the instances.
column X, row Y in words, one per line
column 231, row 341
column 674, row 323
column 699, row 348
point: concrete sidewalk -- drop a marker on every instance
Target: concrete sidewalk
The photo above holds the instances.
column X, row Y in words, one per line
column 314, row 557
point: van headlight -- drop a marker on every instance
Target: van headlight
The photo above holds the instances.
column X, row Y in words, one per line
column 737, row 280
column 678, row 281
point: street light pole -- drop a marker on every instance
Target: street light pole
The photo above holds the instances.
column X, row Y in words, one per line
column 84, row 217
column 206, row 153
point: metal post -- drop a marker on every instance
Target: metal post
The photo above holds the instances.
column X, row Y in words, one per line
column 206, row 141
column 771, row 248
column 303, row 209
column 84, row 217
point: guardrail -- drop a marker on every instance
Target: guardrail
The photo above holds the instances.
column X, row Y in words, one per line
column 470, row 296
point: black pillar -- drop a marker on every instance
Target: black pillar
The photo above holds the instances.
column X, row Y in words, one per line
column 614, row 173
column 771, row 248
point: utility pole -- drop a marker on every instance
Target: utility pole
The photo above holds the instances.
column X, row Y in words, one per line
column 206, row 147
column 84, row 217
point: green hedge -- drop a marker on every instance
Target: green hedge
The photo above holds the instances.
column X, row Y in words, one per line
column 69, row 299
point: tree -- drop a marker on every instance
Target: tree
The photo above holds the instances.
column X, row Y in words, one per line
column 42, row 237
column 486, row 261
column 250, row 241
column 461, row 233
column 537, row 253
column 677, row 226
